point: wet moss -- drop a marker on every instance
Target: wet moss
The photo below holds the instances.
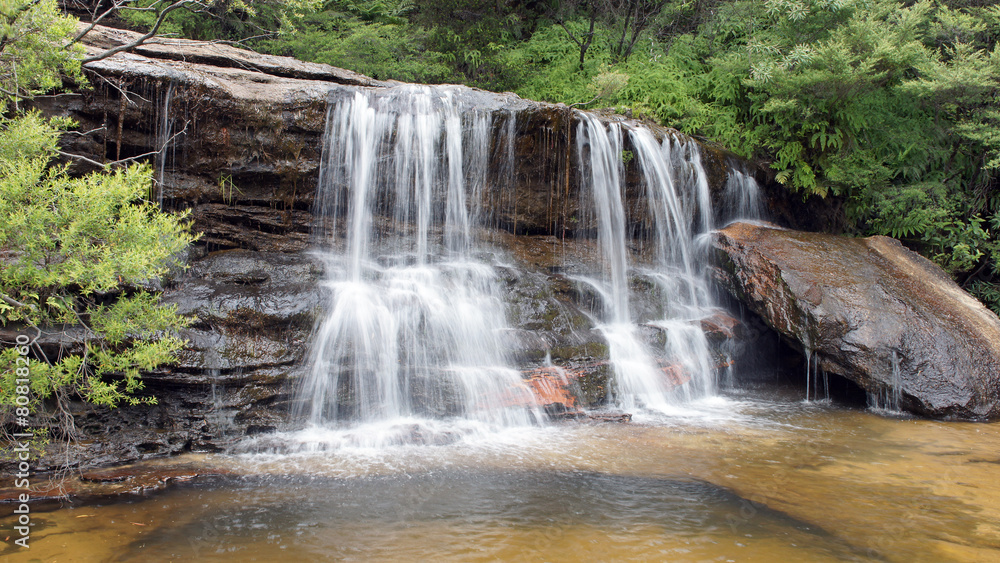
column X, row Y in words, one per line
column 592, row 389
column 588, row 351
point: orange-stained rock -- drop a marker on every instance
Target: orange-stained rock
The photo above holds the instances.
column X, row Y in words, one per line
column 550, row 386
column 720, row 324
column 675, row 375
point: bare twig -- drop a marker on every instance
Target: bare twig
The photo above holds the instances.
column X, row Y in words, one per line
column 162, row 148
column 124, row 93
column 588, row 102
column 14, row 94
column 56, row 95
column 95, row 20
column 14, row 303
column 85, row 133
column 81, row 157
column 241, row 41
column 129, row 159
column 152, row 32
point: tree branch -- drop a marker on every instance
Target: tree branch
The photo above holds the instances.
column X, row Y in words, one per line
column 152, row 32
column 13, row 94
column 81, row 157
column 85, row 133
column 124, row 93
column 114, row 6
column 14, row 303
column 106, row 165
column 242, row 41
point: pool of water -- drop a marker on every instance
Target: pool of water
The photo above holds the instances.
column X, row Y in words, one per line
column 736, row 478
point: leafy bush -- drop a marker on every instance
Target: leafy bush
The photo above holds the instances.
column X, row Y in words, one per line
column 75, row 252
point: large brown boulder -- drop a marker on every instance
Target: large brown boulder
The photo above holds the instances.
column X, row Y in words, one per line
column 870, row 310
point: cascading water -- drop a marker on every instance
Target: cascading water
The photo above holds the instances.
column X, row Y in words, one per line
column 661, row 370
column 415, row 323
column 741, row 198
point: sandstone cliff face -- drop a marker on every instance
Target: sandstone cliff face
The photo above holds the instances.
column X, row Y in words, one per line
column 243, row 133
column 872, row 311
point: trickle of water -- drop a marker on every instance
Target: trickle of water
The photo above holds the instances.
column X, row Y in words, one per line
column 164, row 136
column 415, row 321
column 826, row 385
column 809, row 357
column 218, row 416
column 896, row 393
column 741, row 197
column 889, row 399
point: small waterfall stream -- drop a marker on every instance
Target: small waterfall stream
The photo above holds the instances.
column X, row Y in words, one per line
column 164, row 136
column 890, row 398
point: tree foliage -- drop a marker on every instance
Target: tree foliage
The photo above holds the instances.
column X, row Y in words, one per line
column 33, row 59
column 79, row 256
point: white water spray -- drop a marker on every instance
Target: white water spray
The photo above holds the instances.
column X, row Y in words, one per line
column 415, row 320
column 662, row 370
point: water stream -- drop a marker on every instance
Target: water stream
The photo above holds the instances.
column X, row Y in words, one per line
column 164, row 138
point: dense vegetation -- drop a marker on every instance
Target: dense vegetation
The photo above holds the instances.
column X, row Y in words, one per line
column 78, row 255
column 889, row 106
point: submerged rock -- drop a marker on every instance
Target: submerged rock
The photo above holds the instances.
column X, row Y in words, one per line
column 873, row 311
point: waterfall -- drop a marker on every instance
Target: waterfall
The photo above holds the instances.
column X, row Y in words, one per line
column 164, row 136
column 662, row 359
column 415, row 320
column 741, row 198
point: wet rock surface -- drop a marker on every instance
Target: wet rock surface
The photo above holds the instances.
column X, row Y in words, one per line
column 128, row 479
column 872, row 311
column 237, row 137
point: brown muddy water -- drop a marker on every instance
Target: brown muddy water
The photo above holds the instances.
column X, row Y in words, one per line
column 734, row 478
